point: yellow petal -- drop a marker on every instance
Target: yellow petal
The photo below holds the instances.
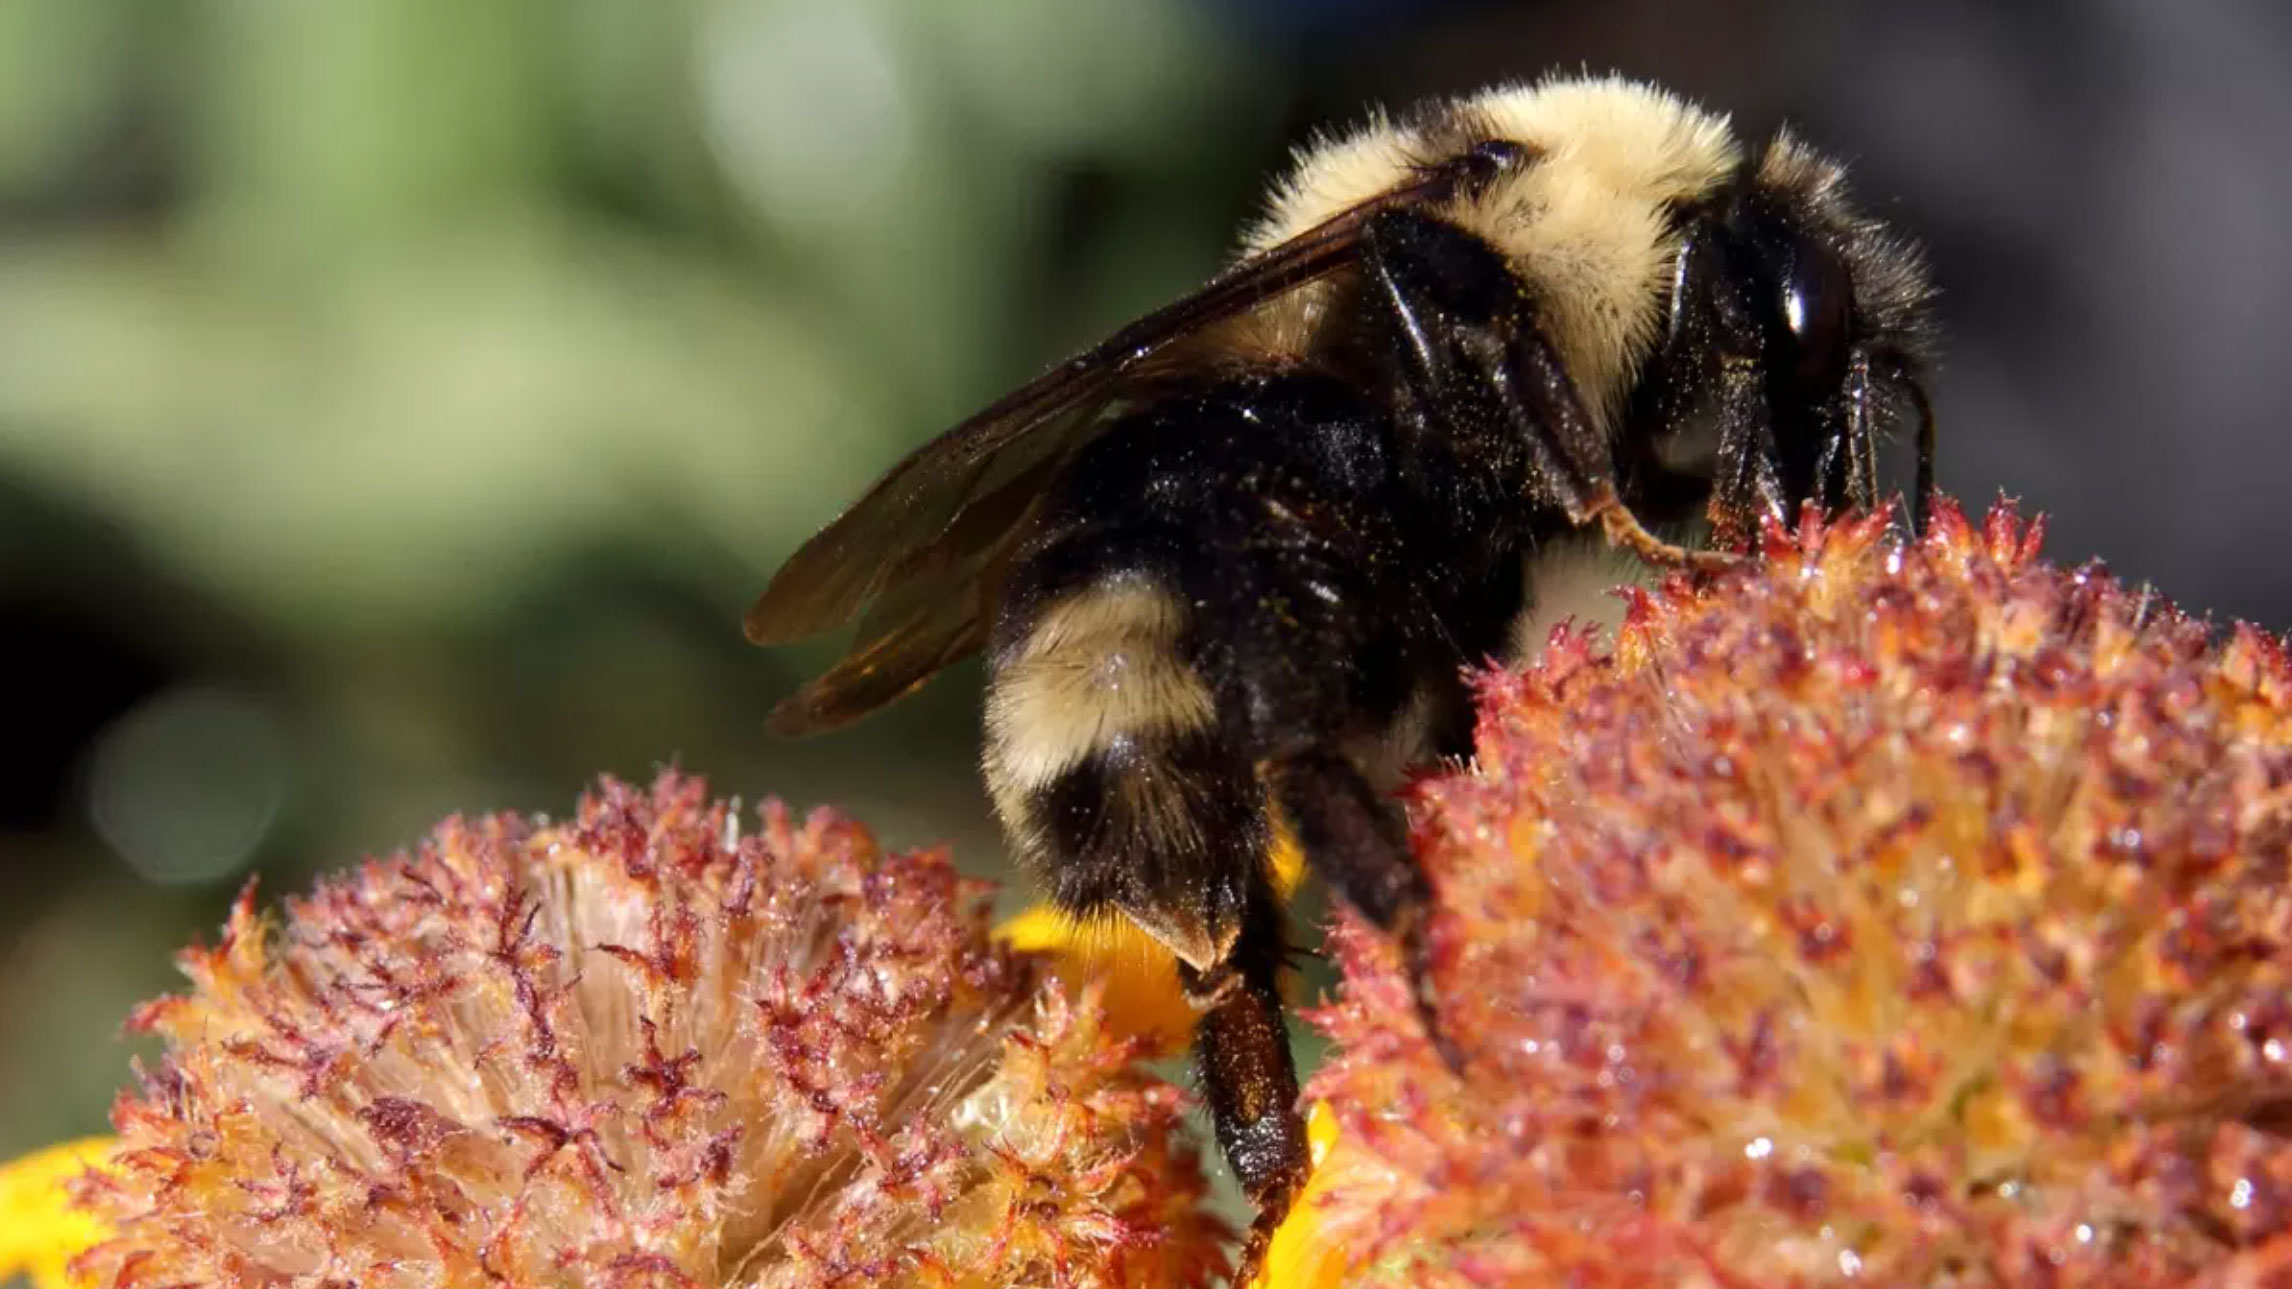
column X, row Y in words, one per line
column 1142, row 994
column 39, row 1230
column 1288, row 860
column 1300, row 1256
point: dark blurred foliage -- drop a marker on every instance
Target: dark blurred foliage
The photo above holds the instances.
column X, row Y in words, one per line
column 401, row 399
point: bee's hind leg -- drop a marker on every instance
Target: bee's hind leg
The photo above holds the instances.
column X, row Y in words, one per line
column 1249, row 1079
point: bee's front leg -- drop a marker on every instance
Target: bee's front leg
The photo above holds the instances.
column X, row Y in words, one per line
column 1472, row 348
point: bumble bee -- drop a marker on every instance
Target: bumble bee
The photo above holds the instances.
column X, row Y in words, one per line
column 1233, row 561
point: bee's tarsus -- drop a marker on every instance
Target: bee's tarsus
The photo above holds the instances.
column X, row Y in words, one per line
column 1413, row 936
column 1272, row 1209
column 1444, row 1045
column 1623, row 529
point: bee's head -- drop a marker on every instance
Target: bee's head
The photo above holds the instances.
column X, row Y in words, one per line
column 1796, row 338
column 1732, row 325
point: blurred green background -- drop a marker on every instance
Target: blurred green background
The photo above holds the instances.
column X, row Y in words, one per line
column 401, row 399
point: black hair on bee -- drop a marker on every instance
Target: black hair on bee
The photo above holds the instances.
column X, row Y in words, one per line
column 1231, row 566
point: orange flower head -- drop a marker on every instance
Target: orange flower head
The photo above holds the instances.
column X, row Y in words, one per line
column 647, row 1047
column 1880, row 914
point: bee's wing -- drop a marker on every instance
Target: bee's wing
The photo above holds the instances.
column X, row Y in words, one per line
column 933, row 610
column 910, row 637
column 824, row 584
column 920, row 542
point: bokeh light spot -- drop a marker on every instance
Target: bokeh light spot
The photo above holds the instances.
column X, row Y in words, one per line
column 185, row 787
column 804, row 106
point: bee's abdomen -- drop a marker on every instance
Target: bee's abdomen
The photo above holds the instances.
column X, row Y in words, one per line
column 1104, row 760
column 1214, row 586
column 1098, row 665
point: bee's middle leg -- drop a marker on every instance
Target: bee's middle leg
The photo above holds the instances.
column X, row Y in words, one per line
column 1357, row 844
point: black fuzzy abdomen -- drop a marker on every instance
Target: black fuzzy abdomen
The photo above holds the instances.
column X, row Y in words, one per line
column 1226, row 577
column 1272, row 508
column 1269, row 484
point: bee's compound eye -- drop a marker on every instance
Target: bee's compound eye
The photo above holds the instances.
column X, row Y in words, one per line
column 1818, row 308
column 1499, row 154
